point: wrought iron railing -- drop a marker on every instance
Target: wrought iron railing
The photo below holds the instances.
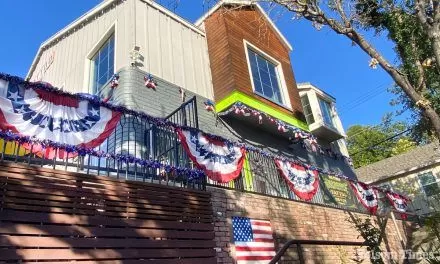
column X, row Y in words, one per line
column 260, row 175
column 134, row 137
column 299, row 247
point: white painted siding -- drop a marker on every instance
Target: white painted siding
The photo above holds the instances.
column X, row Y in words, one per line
column 71, row 52
column 410, row 185
column 172, row 48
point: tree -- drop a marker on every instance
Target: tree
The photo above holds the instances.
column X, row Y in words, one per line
column 412, row 44
column 369, row 144
column 418, row 19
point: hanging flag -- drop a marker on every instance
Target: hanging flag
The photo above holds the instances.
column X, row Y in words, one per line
column 399, row 202
column 53, row 116
column 222, row 161
column 366, row 195
column 302, row 181
column 253, row 240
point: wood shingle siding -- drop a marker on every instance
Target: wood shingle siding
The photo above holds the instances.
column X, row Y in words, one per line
column 58, row 216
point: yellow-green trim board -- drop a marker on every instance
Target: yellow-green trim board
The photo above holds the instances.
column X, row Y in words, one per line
column 237, row 96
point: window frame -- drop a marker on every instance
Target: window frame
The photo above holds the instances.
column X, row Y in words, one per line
column 330, row 108
column 88, row 75
column 306, row 96
column 279, row 72
column 422, row 187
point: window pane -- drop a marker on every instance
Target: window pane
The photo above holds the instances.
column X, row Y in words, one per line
column 102, row 65
column 265, row 77
column 272, row 69
column 267, row 91
column 431, row 189
column 111, row 44
column 427, row 178
column 257, row 84
column 326, row 112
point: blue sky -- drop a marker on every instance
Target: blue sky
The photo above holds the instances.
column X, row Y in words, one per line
column 320, row 57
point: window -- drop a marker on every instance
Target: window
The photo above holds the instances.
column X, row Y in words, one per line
column 307, row 109
column 265, row 77
column 429, row 184
column 326, row 111
column 102, row 65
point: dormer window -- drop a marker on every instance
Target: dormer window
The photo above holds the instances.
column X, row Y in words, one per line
column 266, row 76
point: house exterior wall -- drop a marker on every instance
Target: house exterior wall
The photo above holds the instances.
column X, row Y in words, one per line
column 410, row 184
column 132, row 93
column 296, row 220
column 72, row 50
column 169, row 47
column 226, row 30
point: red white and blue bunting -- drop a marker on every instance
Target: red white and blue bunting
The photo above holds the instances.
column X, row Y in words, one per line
column 304, row 182
column 221, row 161
column 308, row 141
column 399, row 202
column 49, row 116
column 366, row 195
column 10, row 101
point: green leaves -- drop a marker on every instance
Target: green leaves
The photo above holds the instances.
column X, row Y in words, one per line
column 362, row 140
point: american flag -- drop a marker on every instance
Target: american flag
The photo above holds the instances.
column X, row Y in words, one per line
column 253, row 239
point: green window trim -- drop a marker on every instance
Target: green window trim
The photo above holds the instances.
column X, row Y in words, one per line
column 237, row 96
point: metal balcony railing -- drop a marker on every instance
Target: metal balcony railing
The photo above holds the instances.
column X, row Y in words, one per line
column 133, row 136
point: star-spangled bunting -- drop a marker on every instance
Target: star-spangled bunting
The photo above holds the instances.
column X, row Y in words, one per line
column 366, row 195
column 302, row 181
column 49, row 116
column 221, row 161
column 399, row 202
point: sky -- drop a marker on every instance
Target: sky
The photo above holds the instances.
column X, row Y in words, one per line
column 323, row 58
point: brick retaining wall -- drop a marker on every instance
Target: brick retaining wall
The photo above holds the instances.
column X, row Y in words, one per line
column 294, row 220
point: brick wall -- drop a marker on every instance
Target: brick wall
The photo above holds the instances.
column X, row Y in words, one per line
column 294, row 220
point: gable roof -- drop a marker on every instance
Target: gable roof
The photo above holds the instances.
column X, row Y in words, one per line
column 248, row 3
column 95, row 10
column 400, row 165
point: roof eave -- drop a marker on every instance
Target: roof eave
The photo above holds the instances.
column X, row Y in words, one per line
column 200, row 21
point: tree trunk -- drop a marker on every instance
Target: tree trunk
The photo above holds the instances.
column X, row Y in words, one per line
column 401, row 80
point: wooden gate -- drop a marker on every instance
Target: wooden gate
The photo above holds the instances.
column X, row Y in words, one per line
column 58, row 217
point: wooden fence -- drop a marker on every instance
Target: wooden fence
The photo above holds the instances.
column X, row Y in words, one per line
column 56, row 216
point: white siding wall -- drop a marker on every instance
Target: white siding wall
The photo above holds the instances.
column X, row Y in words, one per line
column 68, row 69
column 171, row 48
column 410, row 185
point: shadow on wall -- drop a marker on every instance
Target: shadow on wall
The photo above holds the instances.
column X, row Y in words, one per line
column 58, row 216
column 295, row 220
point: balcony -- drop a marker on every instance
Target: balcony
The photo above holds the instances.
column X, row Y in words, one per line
column 142, row 149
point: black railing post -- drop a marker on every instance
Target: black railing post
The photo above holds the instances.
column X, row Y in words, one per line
column 299, row 243
column 300, row 253
column 196, row 115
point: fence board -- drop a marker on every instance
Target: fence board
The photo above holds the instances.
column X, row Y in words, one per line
column 56, row 217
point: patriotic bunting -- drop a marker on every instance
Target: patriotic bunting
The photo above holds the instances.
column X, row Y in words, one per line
column 302, row 181
column 221, row 161
column 49, row 116
column 399, row 202
column 366, row 195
